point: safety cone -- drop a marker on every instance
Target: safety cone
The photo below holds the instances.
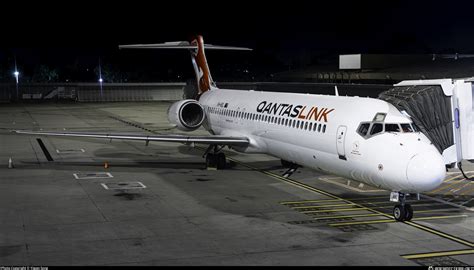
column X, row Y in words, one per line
column 10, row 163
column 106, row 165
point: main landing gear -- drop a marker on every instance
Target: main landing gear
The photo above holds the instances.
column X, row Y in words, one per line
column 215, row 160
column 402, row 211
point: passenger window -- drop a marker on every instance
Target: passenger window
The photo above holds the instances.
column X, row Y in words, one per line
column 324, row 129
column 376, row 128
column 310, row 126
column 306, row 126
column 407, row 128
column 392, row 128
column 319, row 128
column 363, row 128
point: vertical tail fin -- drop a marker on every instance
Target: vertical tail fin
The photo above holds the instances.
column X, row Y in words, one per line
column 201, row 68
column 198, row 57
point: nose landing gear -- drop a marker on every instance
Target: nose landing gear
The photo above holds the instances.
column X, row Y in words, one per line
column 402, row 211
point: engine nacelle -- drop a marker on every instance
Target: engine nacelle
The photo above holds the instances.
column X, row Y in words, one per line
column 187, row 115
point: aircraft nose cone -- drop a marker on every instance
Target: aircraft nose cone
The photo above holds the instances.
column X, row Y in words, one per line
column 426, row 171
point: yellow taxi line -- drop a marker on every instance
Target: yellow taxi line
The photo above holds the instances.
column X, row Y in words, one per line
column 391, row 220
column 439, row 254
column 322, row 192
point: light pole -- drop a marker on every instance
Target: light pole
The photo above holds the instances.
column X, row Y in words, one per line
column 100, row 80
column 16, row 74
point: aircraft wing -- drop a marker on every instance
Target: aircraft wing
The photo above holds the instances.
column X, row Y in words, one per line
column 211, row 139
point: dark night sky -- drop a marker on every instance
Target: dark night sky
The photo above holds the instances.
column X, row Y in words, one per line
column 74, row 35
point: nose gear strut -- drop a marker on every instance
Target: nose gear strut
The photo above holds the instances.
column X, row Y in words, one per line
column 403, row 211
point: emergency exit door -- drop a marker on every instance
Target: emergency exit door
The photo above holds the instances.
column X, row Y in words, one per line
column 340, row 141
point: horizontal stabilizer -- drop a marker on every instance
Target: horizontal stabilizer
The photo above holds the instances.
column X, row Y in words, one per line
column 181, row 45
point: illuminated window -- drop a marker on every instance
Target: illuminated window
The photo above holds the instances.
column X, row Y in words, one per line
column 380, row 117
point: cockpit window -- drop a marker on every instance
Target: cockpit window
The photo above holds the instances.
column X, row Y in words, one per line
column 380, row 117
column 407, row 128
column 376, row 128
column 392, row 128
column 363, row 129
column 368, row 129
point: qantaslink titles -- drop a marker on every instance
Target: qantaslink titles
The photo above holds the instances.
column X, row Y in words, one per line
column 294, row 111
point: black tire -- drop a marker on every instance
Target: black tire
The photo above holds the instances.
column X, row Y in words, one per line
column 399, row 213
column 408, row 212
column 210, row 160
column 221, row 162
column 286, row 164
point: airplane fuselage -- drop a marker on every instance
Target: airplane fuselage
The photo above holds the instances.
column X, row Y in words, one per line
column 324, row 133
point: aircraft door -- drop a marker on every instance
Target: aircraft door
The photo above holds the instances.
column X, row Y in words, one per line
column 340, row 142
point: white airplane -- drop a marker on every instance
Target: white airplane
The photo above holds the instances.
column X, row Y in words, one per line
column 364, row 139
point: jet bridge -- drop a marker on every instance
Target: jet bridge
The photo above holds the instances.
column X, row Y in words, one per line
column 443, row 110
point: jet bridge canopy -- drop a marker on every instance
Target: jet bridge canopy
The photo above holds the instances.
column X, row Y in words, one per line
column 443, row 110
column 429, row 109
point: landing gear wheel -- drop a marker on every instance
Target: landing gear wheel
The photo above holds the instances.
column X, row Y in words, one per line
column 399, row 212
column 221, row 162
column 408, row 212
column 210, row 160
